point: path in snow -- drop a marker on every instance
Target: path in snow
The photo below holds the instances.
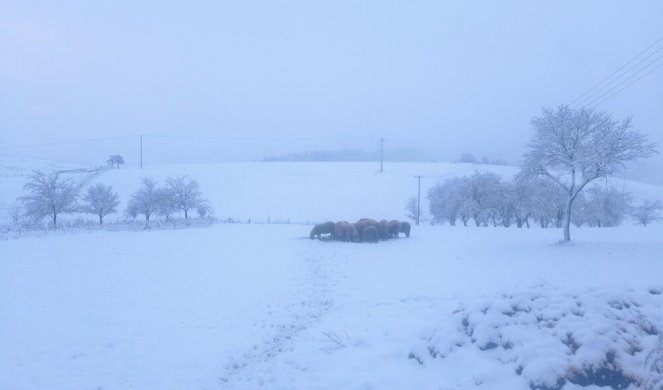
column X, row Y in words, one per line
column 312, row 297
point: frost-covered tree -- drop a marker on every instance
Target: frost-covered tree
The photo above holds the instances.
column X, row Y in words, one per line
column 16, row 215
column 166, row 203
column 100, row 200
column 484, row 193
column 186, row 193
column 48, row 194
column 145, row 201
column 647, row 212
column 605, row 207
column 573, row 147
column 520, row 195
column 115, row 160
column 446, row 200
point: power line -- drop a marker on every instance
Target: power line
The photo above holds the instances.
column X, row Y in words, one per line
column 66, row 142
column 629, row 84
column 260, row 138
column 595, row 97
column 587, row 101
column 615, row 72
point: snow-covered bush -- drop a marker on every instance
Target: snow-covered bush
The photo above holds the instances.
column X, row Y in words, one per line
column 100, row 200
column 545, row 338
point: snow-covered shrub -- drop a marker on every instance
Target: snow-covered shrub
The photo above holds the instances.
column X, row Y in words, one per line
column 546, row 338
column 205, row 210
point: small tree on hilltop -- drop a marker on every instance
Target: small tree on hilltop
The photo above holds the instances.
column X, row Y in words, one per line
column 647, row 212
column 186, row 193
column 49, row 195
column 100, row 200
column 115, row 160
column 573, row 147
column 145, row 201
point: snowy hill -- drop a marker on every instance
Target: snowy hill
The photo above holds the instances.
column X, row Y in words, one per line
column 298, row 192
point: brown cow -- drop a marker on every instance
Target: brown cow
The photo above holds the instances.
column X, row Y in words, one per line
column 369, row 234
column 346, row 232
column 394, row 228
column 323, row 228
column 383, row 229
column 405, row 228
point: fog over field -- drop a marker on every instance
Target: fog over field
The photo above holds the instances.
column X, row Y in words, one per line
column 331, row 195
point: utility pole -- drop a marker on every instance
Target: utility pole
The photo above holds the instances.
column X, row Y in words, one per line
column 141, row 151
column 418, row 198
column 381, row 155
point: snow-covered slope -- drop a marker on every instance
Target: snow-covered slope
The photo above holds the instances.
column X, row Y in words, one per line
column 302, row 192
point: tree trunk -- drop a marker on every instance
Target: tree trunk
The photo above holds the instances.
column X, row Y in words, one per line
column 101, row 219
column 55, row 220
column 567, row 220
column 186, row 214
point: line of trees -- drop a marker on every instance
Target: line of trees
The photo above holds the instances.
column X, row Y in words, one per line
column 179, row 194
column 52, row 194
column 485, row 199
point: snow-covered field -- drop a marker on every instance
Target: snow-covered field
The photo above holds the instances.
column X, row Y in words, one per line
column 246, row 306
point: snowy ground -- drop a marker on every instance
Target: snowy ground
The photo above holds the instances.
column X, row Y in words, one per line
column 250, row 306
column 246, row 306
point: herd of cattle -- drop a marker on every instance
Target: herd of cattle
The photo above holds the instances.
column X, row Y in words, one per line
column 364, row 230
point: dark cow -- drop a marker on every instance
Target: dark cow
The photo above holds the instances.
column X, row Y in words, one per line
column 369, row 234
column 393, row 228
column 365, row 222
column 405, row 228
column 383, row 229
column 323, row 228
column 346, row 232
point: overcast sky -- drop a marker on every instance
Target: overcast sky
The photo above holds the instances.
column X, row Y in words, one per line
column 454, row 76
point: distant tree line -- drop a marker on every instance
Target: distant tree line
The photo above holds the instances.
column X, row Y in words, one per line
column 51, row 195
column 485, row 199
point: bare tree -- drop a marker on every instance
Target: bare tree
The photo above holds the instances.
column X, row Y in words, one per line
column 573, row 147
column 647, row 212
column 412, row 208
column 115, row 160
column 186, row 193
column 100, row 200
column 145, row 201
column 49, row 195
